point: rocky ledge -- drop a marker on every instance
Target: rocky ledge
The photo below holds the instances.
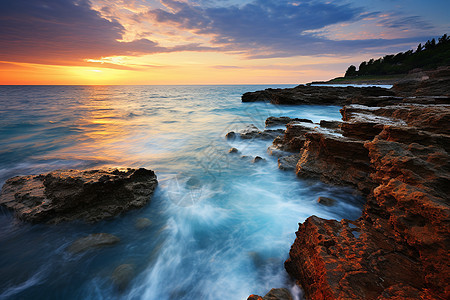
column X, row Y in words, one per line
column 66, row 195
column 397, row 155
column 321, row 95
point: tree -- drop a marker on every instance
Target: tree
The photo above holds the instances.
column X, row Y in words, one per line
column 351, row 71
column 419, row 48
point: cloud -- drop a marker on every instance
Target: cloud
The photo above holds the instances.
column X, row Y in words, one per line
column 274, row 28
column 62, row 31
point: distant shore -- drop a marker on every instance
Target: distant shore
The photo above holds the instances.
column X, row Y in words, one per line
column 371, row 79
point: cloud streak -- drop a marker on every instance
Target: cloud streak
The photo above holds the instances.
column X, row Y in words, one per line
column 269, row 28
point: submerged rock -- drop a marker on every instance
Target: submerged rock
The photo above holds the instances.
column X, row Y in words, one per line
column 142, row 223
column 233, row 150
column 122, row 276
column 326, row 201
column 66, row 195
column 257, row 159
column 92, row 241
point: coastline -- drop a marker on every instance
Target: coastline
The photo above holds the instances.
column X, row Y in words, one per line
column 394, row 150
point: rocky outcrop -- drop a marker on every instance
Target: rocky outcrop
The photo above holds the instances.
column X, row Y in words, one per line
column 277, row 121
column 305, row 94
column 252, row 132
column 425, row 83
column 395, row 150
column 398, row 249
column 66, row 195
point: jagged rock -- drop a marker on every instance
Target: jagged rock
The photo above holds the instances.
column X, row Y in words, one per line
column 252, row 132
column 276, row 121
column 122, row 276
column 231, row 135
column 273, row 294
column 330, row 124
column 326, row 201
column 142, row 223
column 92, row 241
column 397, row 249
column 233, row 150
column 288, row 163
column 294, row 137
column 304, row 94
column 257, row 159
column 336, row 160
column 66, row 195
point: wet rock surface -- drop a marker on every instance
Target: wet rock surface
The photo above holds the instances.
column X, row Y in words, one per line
column 395, row 151
column 322, row 95
column 67, row 195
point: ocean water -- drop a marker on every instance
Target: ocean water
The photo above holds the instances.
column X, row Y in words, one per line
column 221, row 225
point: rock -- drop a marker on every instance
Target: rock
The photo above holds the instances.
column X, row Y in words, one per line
column 231, row 135
column 294, row 137
column 66, row 195
column 330, row 124
column 335, row 160
column 142, row 223
column 326, row 201
column 278, row 294
column 122, row 276
column 273, row 294
column 324, row 95
column 425, row 83
column 288, row 163
column 277, row 121
column 398, row 246
column 257, row 159
column 233, row 150
column 92, row 241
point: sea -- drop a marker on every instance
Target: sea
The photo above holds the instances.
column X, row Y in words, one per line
column 221, row 226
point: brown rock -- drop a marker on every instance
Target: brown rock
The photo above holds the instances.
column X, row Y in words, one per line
column 273, row 294
column 326, row 201
column 92, row 241
column 304, row 94
column 66, row 195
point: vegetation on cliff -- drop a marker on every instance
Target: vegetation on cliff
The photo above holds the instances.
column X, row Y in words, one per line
column 429, row 56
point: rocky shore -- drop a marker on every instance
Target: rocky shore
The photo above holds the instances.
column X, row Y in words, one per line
column 393, row 146
column 67, row 195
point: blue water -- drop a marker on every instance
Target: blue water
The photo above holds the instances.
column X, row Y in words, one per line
column 221, row 225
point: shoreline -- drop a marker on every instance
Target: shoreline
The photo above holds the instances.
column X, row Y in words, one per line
column 394, row 149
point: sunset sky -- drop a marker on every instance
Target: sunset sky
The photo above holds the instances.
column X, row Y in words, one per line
column 205, row 41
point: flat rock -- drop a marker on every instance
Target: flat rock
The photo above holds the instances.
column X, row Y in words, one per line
column 92, row 241
column 277, row 121
column 304, row 94
column 66, row 195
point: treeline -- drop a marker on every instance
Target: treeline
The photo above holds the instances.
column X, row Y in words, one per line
column 429, row 56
